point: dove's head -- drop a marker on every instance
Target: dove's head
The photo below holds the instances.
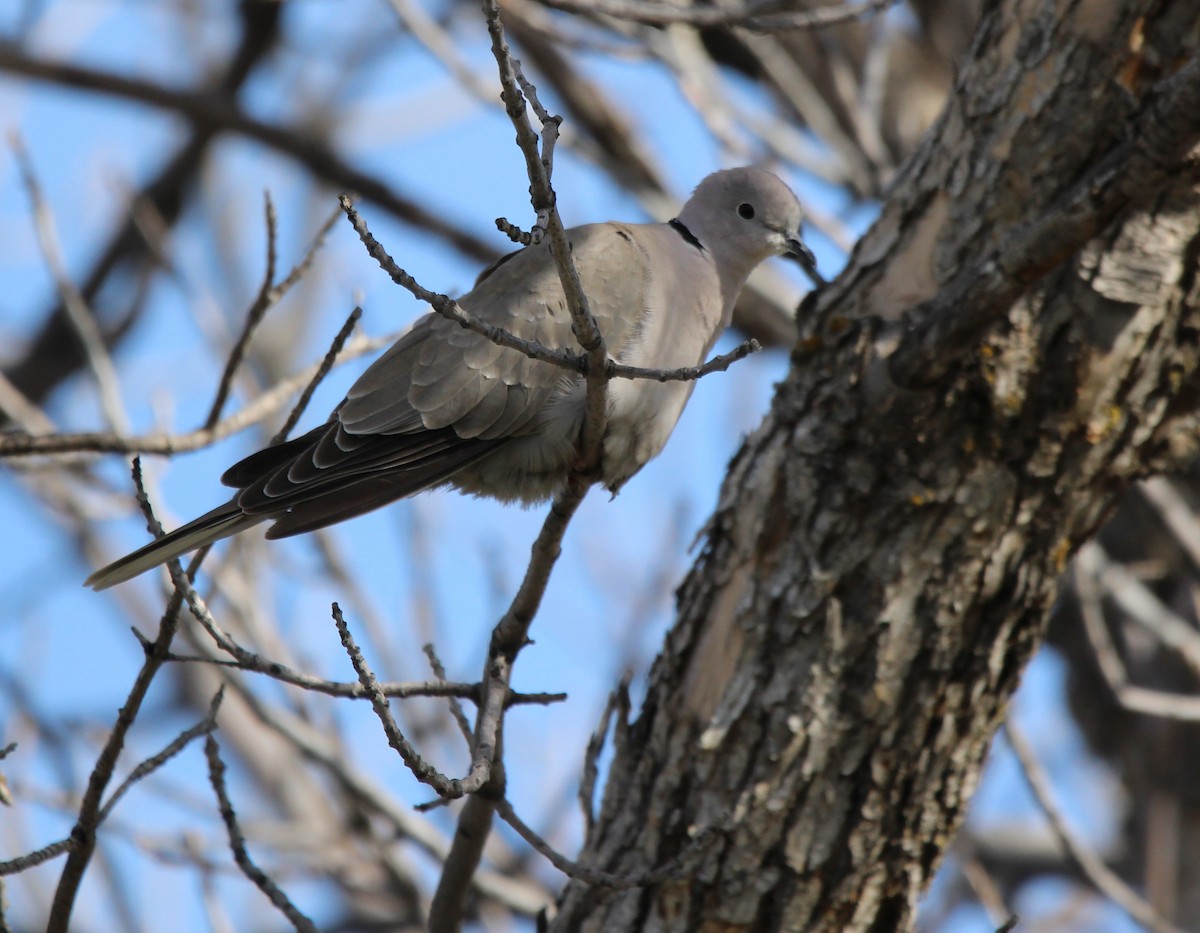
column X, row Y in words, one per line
column 744, row 215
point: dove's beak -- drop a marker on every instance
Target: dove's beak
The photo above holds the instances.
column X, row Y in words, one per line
column 803, row 255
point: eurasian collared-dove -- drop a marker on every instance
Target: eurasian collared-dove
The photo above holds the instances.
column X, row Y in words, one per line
column 446, row 406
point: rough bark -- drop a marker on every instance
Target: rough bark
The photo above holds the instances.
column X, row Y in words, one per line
column 882, row 560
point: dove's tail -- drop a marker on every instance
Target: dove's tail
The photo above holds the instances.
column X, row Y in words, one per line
column 221, row 522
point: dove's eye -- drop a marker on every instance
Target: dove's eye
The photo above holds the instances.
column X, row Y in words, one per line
column 746, row 211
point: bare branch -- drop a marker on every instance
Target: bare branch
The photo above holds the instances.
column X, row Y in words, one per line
column 44, row 854
column 539, row 166
column 251, row 662
column 83, row 835
column 214, row 112
column 448, row 907
column 456, row 710
column 81, row 316
column 331, row 355
column 178, row 744
column 514, row 233
column 270, row 293
column 1180, row 706
column 21, row 410
column 448, row 307
column 1183, row 707
column 1100, row 875
column 1143, row 606
column 718, row 364
column 237, row 842
column 510, row 633
column 263, row 302
column 23, row 445
column 326, row 751
column 426, row 30
column 591, row 758
column 422, row 770
column 1175, row 513
column 761, row 16
column 675, row 868
column 985, row 888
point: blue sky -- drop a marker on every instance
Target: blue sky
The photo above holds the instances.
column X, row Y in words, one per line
column 407, row 120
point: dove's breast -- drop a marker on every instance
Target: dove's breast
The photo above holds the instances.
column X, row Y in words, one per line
column 684, row 317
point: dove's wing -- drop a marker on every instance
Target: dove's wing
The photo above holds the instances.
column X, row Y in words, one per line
column 443, row 397
column 445, row 405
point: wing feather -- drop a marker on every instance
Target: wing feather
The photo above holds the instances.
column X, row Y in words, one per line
column 443, row 397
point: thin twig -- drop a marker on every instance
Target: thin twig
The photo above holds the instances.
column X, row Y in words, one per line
column 1103, row 878
column 269, row 295
column 448, row 307
column 300, row 269
column 718, row 364
column 246, row 660
column 572, row 869
column 44, row 854
column 326, row 751
column 798, row 88
column 511, row 633
column 422, row 770
column 513, row 232
column 574, row 35
column 83, row 834
column 21, row 411
column 219, row 113
column 265, row 299
column 24, row 445
column 763, row 16
column 331, row 355
column 1091, row 609
column 153, row 763
column 515, row 91
column 180, row 577
column 591, row 758
column 425, row 29
column 1141, row 603
column 80, row 315
column 985, row 889
column 456, row 710
column 1179, row 706
column 237, row 842
column 1175, row 513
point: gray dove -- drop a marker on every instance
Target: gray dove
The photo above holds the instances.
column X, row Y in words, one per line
column 446, row 406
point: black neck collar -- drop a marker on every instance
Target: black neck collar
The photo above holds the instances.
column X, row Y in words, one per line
column 678, row 227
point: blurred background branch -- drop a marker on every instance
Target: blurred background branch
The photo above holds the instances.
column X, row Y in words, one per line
column 152, row 131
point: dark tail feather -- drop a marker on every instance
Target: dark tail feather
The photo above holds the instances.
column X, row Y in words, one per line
column 221, row 522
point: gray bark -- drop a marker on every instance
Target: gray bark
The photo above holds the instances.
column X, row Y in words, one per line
column 883, row 558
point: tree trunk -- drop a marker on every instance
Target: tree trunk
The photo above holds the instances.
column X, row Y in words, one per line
column 1012, row 344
